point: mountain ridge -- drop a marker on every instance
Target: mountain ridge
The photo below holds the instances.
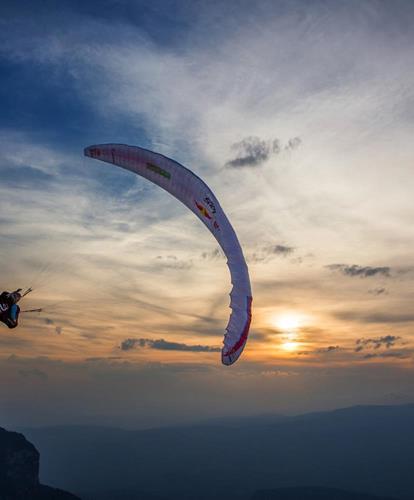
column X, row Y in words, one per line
column 363, row 448
column 19, row 471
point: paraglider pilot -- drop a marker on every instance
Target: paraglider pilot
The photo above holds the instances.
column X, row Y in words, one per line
column 9, row 310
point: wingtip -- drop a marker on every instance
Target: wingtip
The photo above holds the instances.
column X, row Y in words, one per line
column 229, row 359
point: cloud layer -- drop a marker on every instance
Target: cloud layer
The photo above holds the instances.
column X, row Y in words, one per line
column 309, row 151
column 165, row 345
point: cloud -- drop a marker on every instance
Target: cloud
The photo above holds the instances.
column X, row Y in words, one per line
column 376, row 317
column 172, row 262
column 268, row 251
column 276, row 146
column 281, row 250
column 378, row 291
column 49, row 321
column 213, row 255
column 164, row 345
column 388, row 354
column 389, row 318
column 330, row 348
column 322, row 350
column 129, row 344
column 293, row 144
column 386, row 341
column 278, row 373
column 25, row 177
column 360, row 271
column 253, row 151
column 106, row 359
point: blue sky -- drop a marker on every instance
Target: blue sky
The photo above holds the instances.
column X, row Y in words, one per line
column 298, row 115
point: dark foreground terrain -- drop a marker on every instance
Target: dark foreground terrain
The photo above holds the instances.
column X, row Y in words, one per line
column 19, row 471
column 360, row 449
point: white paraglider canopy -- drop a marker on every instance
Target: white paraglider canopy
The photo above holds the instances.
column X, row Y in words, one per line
column 187, row 187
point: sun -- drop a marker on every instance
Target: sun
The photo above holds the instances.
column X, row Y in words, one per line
column 289, row 327
column 290, row 346
column 288, row 323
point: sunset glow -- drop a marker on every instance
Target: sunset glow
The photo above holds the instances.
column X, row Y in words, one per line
column 309, row 152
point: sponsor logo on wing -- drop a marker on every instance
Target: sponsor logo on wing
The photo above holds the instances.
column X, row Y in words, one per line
column 210, row 204
column 203, row 209
column 158, row 170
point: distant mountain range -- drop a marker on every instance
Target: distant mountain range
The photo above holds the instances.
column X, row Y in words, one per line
column 313, row 493
column 367, row 448
column 308, row 493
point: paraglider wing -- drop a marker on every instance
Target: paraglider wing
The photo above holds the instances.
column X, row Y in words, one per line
column 187, row 187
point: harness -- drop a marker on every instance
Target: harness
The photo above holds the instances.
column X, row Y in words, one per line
column 8, row 316
column 3, row 309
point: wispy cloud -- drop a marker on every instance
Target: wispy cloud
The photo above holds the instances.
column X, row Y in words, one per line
column 378, row 291
column 172, row 262
column 330, row 348
column 375, row 317
column 217, row 253
column 269, row 251
column 293, row 143
column 360, row 271
column 388, row 354
column 322, row 350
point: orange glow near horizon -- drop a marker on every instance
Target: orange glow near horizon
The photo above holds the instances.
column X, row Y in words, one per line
column 288, row 324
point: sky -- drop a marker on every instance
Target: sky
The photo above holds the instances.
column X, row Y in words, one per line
column 299, row 116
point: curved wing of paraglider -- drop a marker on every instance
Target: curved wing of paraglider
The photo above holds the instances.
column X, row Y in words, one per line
column 188, row 188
